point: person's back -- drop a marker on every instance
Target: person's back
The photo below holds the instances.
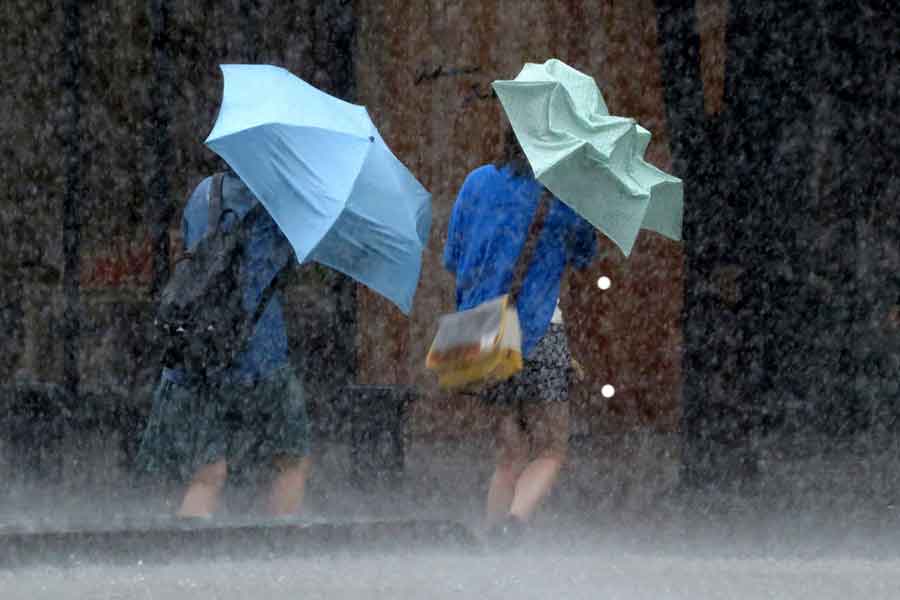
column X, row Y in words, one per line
column 487, row 232
column 255, row 410
column 261, row 261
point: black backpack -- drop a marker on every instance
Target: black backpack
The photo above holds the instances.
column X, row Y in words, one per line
column 200, row 323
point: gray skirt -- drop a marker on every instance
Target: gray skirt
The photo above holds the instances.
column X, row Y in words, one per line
column 193, row 425
column 544, row 378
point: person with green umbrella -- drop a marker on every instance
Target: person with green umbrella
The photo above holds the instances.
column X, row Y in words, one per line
column 562, row 143
column 488, row 228
column 591, row 160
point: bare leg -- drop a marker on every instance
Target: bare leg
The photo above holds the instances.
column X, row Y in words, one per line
column 533, row 486
column 512, row 453
column 501, row 493
column 289, row 487
column 549, row 428
column 201, row 499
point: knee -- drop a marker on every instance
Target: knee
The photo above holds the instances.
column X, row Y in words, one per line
column 549, row 426
column 552, row 445
column 213, row 475
column 511, row 460
column 558, row 452
column 507, row 473
column 293, row 464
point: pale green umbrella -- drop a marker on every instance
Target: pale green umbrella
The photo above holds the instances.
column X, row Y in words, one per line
column 590, row 160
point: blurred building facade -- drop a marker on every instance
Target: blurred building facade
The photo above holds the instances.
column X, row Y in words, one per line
column 772, row 314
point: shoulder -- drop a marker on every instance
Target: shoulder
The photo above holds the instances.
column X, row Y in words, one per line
column 481, row 179
column 204, row 184
column 482, row 174
column 197, row 205
column 199, row 194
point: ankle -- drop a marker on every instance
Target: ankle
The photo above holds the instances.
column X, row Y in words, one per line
column 508, row 531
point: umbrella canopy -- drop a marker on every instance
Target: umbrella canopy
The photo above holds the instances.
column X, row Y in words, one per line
column 326, row 176
column 590, row 160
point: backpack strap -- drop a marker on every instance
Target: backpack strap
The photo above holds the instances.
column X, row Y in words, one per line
column 534, row 231
column 214, row 201
column 282, row 254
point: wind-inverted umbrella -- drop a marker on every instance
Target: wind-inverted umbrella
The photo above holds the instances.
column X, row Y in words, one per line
column 590, row 160
column 326, row 176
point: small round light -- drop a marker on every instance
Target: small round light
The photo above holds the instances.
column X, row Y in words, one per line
column 604, row 282
column 608, row 391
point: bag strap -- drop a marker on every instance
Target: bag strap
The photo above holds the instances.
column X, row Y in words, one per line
column 278, row 282
column 214, row 200
column 534, row 231
column 249, row 326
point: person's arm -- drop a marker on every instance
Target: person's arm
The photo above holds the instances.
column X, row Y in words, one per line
column 583, row 245
column 453, row 246
column 582, row 252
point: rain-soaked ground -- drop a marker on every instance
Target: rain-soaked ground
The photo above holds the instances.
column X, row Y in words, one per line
column 673, row 552
column 531, row 571
column 626, row 534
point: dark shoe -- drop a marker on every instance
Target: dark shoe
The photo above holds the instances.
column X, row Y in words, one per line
column 507, row 532
column 192, row 522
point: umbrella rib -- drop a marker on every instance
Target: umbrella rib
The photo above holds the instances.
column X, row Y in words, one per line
column 291, row 125
column 352, row 187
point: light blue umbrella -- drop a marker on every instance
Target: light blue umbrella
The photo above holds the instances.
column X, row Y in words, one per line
column 321, row 169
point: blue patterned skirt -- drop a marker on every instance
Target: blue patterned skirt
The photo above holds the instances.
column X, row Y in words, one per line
column 544, row 378
column 193, row 425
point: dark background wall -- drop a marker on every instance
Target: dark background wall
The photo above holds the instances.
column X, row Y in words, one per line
column 792, row 258
column 772, row 318
column 106, row 107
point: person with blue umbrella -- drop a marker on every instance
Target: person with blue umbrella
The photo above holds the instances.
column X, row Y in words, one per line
column 326, row 176
column 333, row 193
column 251, row 413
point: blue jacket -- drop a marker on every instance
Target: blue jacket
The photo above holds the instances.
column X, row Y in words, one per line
column 267, row 349
column 488, row 228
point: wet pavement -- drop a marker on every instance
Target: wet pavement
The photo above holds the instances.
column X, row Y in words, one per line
column 529, row 573
column 614, row 529
column 174, row 540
